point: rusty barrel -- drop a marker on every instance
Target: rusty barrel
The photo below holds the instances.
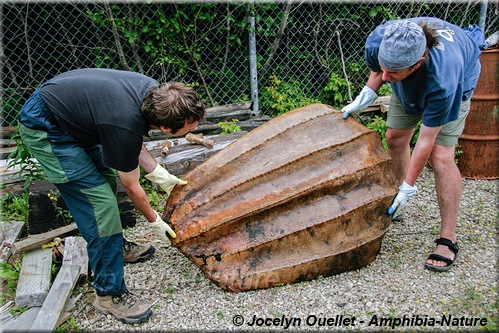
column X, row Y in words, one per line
column 304, row 195
column 479, row 142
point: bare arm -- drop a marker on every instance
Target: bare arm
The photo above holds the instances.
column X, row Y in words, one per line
column 130, row 181
column 375, row 81
column 421, row 153
column 146, row 160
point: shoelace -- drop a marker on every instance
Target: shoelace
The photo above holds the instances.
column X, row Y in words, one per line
column 126, row 298
column 127, row 246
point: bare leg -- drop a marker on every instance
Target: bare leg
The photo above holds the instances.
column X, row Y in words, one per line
column 400, row 151
column 448, row 187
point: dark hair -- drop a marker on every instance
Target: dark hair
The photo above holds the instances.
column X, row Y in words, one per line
column 431, row 38
column 171, row 104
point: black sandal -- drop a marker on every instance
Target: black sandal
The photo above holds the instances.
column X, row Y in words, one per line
column 454, row 248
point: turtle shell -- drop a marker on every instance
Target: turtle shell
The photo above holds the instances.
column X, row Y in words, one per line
column 303, row 195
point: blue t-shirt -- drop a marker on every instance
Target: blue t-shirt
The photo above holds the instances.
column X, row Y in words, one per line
column 447, row 78
column 102, row 107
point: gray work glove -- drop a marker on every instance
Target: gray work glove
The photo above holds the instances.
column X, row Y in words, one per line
column 160, row 228
column 366, row 97
column 405, row 192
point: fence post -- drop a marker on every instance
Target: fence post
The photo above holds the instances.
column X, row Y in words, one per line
column 483, row 14
column 1, row 61
column 252, row 58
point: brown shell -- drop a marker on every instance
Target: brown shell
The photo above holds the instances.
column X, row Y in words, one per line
column 302, row 196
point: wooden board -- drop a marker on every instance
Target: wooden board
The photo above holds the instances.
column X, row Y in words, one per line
column 23, row 322
column 36, row 241
column 56, row 300
column 185, row 156
column 75, row 253
column 9, row 233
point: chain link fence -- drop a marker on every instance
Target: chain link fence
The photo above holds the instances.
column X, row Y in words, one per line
column 305, row 51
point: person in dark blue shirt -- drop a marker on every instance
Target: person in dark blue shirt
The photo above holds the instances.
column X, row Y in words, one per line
column 433, row 67
column 84, row 124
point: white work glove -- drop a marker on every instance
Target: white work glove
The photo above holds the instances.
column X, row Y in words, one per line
column 160, row 228
column 164, row 179
column 366, row 97
column 405, row 192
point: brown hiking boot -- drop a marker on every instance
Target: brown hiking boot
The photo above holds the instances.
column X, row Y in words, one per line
column 137, row 253
column 125, row 307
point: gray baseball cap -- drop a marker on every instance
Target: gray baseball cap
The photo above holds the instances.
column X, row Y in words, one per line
column 403, row 44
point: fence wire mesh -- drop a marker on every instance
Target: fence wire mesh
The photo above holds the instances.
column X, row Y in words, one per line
column 305, row 51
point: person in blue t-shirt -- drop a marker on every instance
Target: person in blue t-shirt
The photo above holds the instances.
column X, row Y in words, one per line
column 433, row 67
column 82, row 126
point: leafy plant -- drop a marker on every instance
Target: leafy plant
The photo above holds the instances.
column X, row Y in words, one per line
column 15, row 207
column 281, row 96
column 69, row 326
column 336, row 91
column 22, row 157
column 229, row 126
column 63, row 213
column 9, row 275
column 385, row 90
column 378, row 124
column 153, row 195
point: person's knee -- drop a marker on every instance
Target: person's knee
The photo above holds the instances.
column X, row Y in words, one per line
column 442, row 159
column 396, row 139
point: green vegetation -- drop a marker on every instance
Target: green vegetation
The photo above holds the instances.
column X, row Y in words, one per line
column 22, row 158
column 9, row 275
column 281, row 96
column 14, row 207
column 229, row 126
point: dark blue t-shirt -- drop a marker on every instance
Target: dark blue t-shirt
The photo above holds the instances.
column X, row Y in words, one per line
column 102, row 107
column 446, row 79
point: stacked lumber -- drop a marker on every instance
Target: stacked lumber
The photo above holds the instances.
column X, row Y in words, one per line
column 49, row 304
column 246, row 119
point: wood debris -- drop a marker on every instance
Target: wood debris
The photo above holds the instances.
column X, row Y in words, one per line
column 165, row 148
column 198, row 139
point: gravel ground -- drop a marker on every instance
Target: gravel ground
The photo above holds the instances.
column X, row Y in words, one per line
column 394, row 290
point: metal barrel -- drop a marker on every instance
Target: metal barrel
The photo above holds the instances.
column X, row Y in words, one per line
column 479, row 142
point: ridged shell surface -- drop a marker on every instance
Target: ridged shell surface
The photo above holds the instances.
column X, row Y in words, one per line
column 304, row 195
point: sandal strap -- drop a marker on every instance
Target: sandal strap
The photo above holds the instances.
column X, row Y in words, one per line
column 447, row 242
column 438, row 257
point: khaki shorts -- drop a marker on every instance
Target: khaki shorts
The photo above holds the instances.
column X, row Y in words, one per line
column 448, row 135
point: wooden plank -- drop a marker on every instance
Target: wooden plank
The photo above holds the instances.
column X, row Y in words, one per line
column 5, row 314
column 186, row 156
column 7, row 143
column 229, row 107
column 22, row 323
column 75, row 253
column 56, row 300
column 15, row 188
column 229, row 116
column 34, row 280
column 36, row 241
column 9, row 233
column 11, row 175
column 5, row 151
column 6, row 132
